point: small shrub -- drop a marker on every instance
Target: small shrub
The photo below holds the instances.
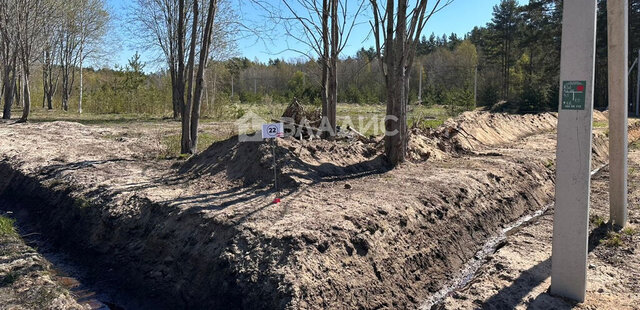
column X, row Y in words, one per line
column 7, row 227
column 597, row 220
column 630, row 231
column 613, row 240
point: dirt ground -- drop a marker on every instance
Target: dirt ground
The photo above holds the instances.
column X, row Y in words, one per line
column 518, row 274
column 349, row 233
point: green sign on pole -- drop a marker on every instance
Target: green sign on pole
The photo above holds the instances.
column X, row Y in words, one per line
column 573, row 95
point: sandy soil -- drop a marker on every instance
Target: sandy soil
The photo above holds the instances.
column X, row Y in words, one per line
column 518, row 274
column 349, row 233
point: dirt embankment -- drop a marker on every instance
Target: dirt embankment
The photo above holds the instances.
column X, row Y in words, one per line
column 517, row 276
column 349, row 233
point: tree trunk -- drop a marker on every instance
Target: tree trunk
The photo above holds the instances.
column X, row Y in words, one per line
column 332, row 100
column 186, row 141
column 65, row 89
column 397, row 84
column 18, row 90
column 174, row 93
column 9, row 84
column 325, row 64
column 215, row 90
column 44, row 82
column 65, row 100
column 180, row 82
column 333, row 68
column 27, row 98
column 204, row 56
column 81, row 85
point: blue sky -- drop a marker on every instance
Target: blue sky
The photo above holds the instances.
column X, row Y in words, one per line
column 459, row 17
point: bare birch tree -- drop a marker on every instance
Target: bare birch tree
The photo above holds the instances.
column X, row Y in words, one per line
column 10, row 49
column 33, row 17
column 93, row 20
column 50, row 60
column 161, row 24
column 83, row 27
column 324, row 27
column 397, row 30
column 191, row 111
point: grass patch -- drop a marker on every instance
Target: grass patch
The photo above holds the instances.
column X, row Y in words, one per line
column 629, row 231
column 549, row 164
column 426, row 124
column 172, row 144
column 366, row 118
column 613, row 240
column 40, row 115
column 7, row 227
column 597, row 220
column 600, row 124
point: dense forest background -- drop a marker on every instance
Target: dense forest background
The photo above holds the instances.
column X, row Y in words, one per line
column 511, row 64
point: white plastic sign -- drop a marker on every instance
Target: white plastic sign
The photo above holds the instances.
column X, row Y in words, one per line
column 270, row 131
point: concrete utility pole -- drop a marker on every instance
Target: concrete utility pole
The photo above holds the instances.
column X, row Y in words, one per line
column 573, row 173
column 618, row 21
column 638, row 85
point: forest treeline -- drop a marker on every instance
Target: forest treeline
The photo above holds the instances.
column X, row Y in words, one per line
column 516, row 55
column 510, row 64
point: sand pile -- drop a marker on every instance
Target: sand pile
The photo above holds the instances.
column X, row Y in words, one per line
column 476, row 130
column 298, row 161
column 306, row 162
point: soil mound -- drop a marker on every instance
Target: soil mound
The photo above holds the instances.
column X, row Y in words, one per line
column 476, row 130
column 306, row 162
column 298, row 162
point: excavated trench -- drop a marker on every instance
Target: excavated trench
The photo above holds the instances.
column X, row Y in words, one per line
column 491, row 246
column 118, row 257
column 70, row 234
column 162, row 256
column 90, row 282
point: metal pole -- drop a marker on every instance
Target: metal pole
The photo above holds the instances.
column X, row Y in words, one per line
column 275, row 170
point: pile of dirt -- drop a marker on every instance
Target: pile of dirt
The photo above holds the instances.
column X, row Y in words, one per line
column 298, row 162
column 306, row 162
column 476, row 130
